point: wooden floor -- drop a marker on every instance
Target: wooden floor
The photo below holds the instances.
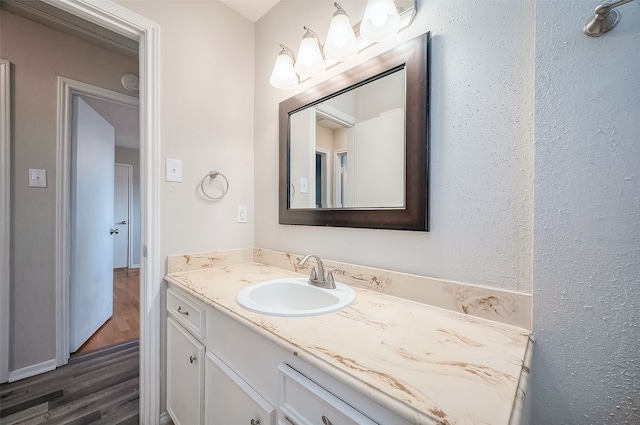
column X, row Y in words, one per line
column 99, row 387
column 124, row 325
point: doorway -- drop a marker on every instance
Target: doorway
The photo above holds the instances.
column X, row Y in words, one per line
column 118, row 19
column 122, row 205
column 105, row 222
column 341, row 186
column 323, row 178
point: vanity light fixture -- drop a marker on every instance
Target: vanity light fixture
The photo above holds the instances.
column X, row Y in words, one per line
column 341, row 40
column 284, row 75
column 310, row 60
column 381, row 20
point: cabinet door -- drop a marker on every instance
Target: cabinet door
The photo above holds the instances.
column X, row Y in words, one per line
column 230, row 400
column 185, row 372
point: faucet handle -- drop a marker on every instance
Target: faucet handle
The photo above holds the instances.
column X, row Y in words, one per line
column 330, row 279
column 313, row 275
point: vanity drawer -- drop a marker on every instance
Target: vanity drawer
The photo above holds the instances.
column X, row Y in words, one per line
column 303, row 402
column 187, row 312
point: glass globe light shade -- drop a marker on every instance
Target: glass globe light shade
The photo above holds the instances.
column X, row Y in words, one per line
column 381, row 20
column 283, row 75
column 341, row 40
column 309, row 59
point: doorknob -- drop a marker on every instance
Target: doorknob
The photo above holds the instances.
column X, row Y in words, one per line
column 112, row 231
column 122, row 222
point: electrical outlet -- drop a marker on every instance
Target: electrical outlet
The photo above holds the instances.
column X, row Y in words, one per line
column 242, row 213
column 37, row 178
column 174, row 170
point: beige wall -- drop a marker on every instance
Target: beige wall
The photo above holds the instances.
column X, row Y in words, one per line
column 481, row 200
column 206, row 120
column 39, row 55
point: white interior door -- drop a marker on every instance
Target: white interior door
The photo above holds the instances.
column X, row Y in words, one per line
column 92, row 194
column 121, row 215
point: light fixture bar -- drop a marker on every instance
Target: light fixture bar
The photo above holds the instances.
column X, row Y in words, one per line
column 407, row 11
column 313, row 60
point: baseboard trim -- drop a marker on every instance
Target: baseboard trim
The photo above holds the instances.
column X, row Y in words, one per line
column 165, row 419
column 135, row 266
column 33, row 370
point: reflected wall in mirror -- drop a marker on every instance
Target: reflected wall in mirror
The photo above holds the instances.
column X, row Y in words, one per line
column 348, row 151
column 354, row 150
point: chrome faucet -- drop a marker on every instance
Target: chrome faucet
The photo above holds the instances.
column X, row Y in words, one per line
column 318, row 279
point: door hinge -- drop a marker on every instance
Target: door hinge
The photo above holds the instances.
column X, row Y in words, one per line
column 144, row 251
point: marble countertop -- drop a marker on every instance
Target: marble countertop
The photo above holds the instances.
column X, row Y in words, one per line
column 428, row 365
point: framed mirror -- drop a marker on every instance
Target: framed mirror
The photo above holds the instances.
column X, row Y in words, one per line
column 354, row 150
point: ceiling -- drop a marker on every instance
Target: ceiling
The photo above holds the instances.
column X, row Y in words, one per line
column 251, row 9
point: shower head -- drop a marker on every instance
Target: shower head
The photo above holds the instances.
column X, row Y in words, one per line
column 605, row 19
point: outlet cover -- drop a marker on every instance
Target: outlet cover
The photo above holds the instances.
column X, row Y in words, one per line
column 37, row 178
column 242, row 213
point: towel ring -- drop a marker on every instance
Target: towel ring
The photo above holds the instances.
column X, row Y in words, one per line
column 212, row 175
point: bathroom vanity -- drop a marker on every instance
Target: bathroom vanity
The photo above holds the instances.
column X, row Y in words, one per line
column 382, row 360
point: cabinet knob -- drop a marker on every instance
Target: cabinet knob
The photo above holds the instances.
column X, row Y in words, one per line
column 326, row 420
column 186, row 313
column 255, row 421
column 192, row 359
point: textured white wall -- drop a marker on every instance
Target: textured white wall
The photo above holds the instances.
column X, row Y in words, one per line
column 586, row 367
column 481, row 144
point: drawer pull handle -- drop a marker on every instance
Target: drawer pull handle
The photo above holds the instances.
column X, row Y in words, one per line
column 255, row 421
column 326, row 420
column 186, row 313
column 192, row 359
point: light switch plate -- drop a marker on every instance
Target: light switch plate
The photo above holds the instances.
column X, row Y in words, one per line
column 174, row 170
column 304, row 185
column 37, row 177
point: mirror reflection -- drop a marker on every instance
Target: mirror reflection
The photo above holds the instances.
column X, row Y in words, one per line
column 349, row 151
column 354, row 149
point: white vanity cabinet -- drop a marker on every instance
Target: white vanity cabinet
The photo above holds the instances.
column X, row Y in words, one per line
column 185, row 375
column 247, row 375
column 201, row 389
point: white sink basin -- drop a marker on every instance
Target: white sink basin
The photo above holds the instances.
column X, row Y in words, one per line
column 294, row 297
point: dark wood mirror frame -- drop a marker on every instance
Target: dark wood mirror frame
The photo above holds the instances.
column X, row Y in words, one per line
column 413, row 56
